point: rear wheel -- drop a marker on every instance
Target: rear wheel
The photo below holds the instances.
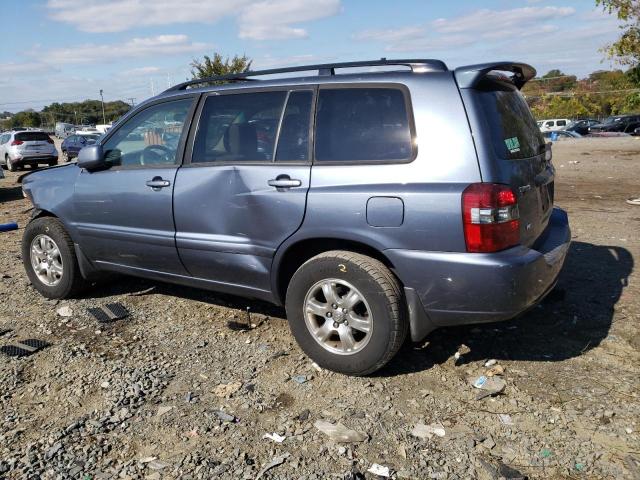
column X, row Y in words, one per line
column 65, row 156
column 10, row 165
column 347, row 312
column 50, row 259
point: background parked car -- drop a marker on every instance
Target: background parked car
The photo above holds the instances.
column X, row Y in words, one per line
column 581, row 127
column 18, row 149
column 63, row 130
column 560, row 135
column 74, row 143
column 553, row 124
column 619, row 123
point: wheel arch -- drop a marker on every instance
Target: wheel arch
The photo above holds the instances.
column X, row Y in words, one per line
column 293, row 254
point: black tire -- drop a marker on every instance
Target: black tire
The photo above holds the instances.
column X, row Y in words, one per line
column 383, row 294
column 71, row 282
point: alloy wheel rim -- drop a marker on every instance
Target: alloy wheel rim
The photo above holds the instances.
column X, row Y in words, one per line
column 338, row 316
column 46, row 260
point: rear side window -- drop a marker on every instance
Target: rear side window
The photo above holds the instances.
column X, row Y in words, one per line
column 561, row 123
column 362, row 124
column 32, row 136
column 514, row 132
column 239, row 127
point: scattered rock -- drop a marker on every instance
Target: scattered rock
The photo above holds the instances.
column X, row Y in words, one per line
column 225, row 390
column 428, row 431
column 379, row 470
column 65, row 311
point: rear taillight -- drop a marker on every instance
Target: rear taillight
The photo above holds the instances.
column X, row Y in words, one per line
column 490, row 216
column 49, row 140
column 17, row 142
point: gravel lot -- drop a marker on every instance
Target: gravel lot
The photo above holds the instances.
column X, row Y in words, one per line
column 176, row 391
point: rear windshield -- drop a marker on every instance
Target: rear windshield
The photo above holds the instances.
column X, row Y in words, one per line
column 32, row 136
column 514, row 132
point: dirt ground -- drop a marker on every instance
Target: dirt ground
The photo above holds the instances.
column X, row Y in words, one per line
column 175, row 391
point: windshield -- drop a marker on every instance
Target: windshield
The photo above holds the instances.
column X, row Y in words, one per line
column 514, row 132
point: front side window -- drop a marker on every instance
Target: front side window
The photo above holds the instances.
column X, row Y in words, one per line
column 561, row 123
column 362, row 124
column 149, row 138
column 239, row 127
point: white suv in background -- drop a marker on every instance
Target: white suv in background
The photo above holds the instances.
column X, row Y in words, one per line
column 27, row 147
column 553, row 124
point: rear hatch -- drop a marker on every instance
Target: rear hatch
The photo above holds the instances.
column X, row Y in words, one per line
column 33, row 143
column 513, row 151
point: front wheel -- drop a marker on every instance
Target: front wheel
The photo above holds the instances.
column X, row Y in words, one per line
column 65, row 156
column 50, row 259
column 347, row 312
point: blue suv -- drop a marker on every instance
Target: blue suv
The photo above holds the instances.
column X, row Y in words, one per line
column 372, row 205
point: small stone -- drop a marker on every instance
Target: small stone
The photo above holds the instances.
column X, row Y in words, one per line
column 105, row 384
column 65, row 311
column 163, row 410
column 227, row 389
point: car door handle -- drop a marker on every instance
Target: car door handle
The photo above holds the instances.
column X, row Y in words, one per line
column 284, row 181
column 157, row 183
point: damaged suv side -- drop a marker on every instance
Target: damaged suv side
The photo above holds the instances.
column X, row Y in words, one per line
column 371, row 205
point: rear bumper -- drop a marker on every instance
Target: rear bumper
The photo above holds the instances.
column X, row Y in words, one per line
column 445, row 288
column 33, row 159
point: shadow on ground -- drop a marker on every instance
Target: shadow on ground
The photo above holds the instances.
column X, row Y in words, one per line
column 574, row 318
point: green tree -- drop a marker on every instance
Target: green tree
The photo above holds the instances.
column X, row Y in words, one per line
column 28, row 118
column 625, row 50
column 216, row 65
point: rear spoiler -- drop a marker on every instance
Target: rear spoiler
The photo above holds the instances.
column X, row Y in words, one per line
column 469, row 76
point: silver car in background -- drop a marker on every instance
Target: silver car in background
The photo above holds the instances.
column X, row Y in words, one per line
column 30, row 147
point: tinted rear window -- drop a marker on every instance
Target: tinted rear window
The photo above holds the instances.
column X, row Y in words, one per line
column 514, row 132
column 32, row 136
column 362, row 124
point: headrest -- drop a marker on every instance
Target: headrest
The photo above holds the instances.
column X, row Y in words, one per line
column 241, row 139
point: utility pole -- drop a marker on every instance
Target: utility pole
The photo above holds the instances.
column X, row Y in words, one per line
column 75, row 112
column 104, row 120
column 132, row 101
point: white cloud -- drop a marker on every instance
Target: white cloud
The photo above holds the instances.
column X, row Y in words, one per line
column 120, row 15
column 480, row 26
column 485, row 20
column 257, row 19
column 159, row 45
column 24, row 68
column 277, row 19
column 144, row 71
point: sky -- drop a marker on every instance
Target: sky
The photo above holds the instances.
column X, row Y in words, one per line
column 68, row 50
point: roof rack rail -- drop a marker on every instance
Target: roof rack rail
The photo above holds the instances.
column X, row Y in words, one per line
column 416, row 65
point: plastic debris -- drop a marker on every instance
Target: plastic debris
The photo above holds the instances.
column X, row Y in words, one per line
column 505, row 419
column 339, row 433
column 275, row 437
column 489, row 385
column 490, row 363
column 300, row 379
column 227, row 389
column 7, row 227
column 546, row 453
column 379, row 470
column 428, row 431
column 279, row 460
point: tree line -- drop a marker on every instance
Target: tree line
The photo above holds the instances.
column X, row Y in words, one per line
column 88, row 112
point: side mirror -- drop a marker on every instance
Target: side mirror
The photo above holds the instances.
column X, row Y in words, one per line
column 91, row 157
